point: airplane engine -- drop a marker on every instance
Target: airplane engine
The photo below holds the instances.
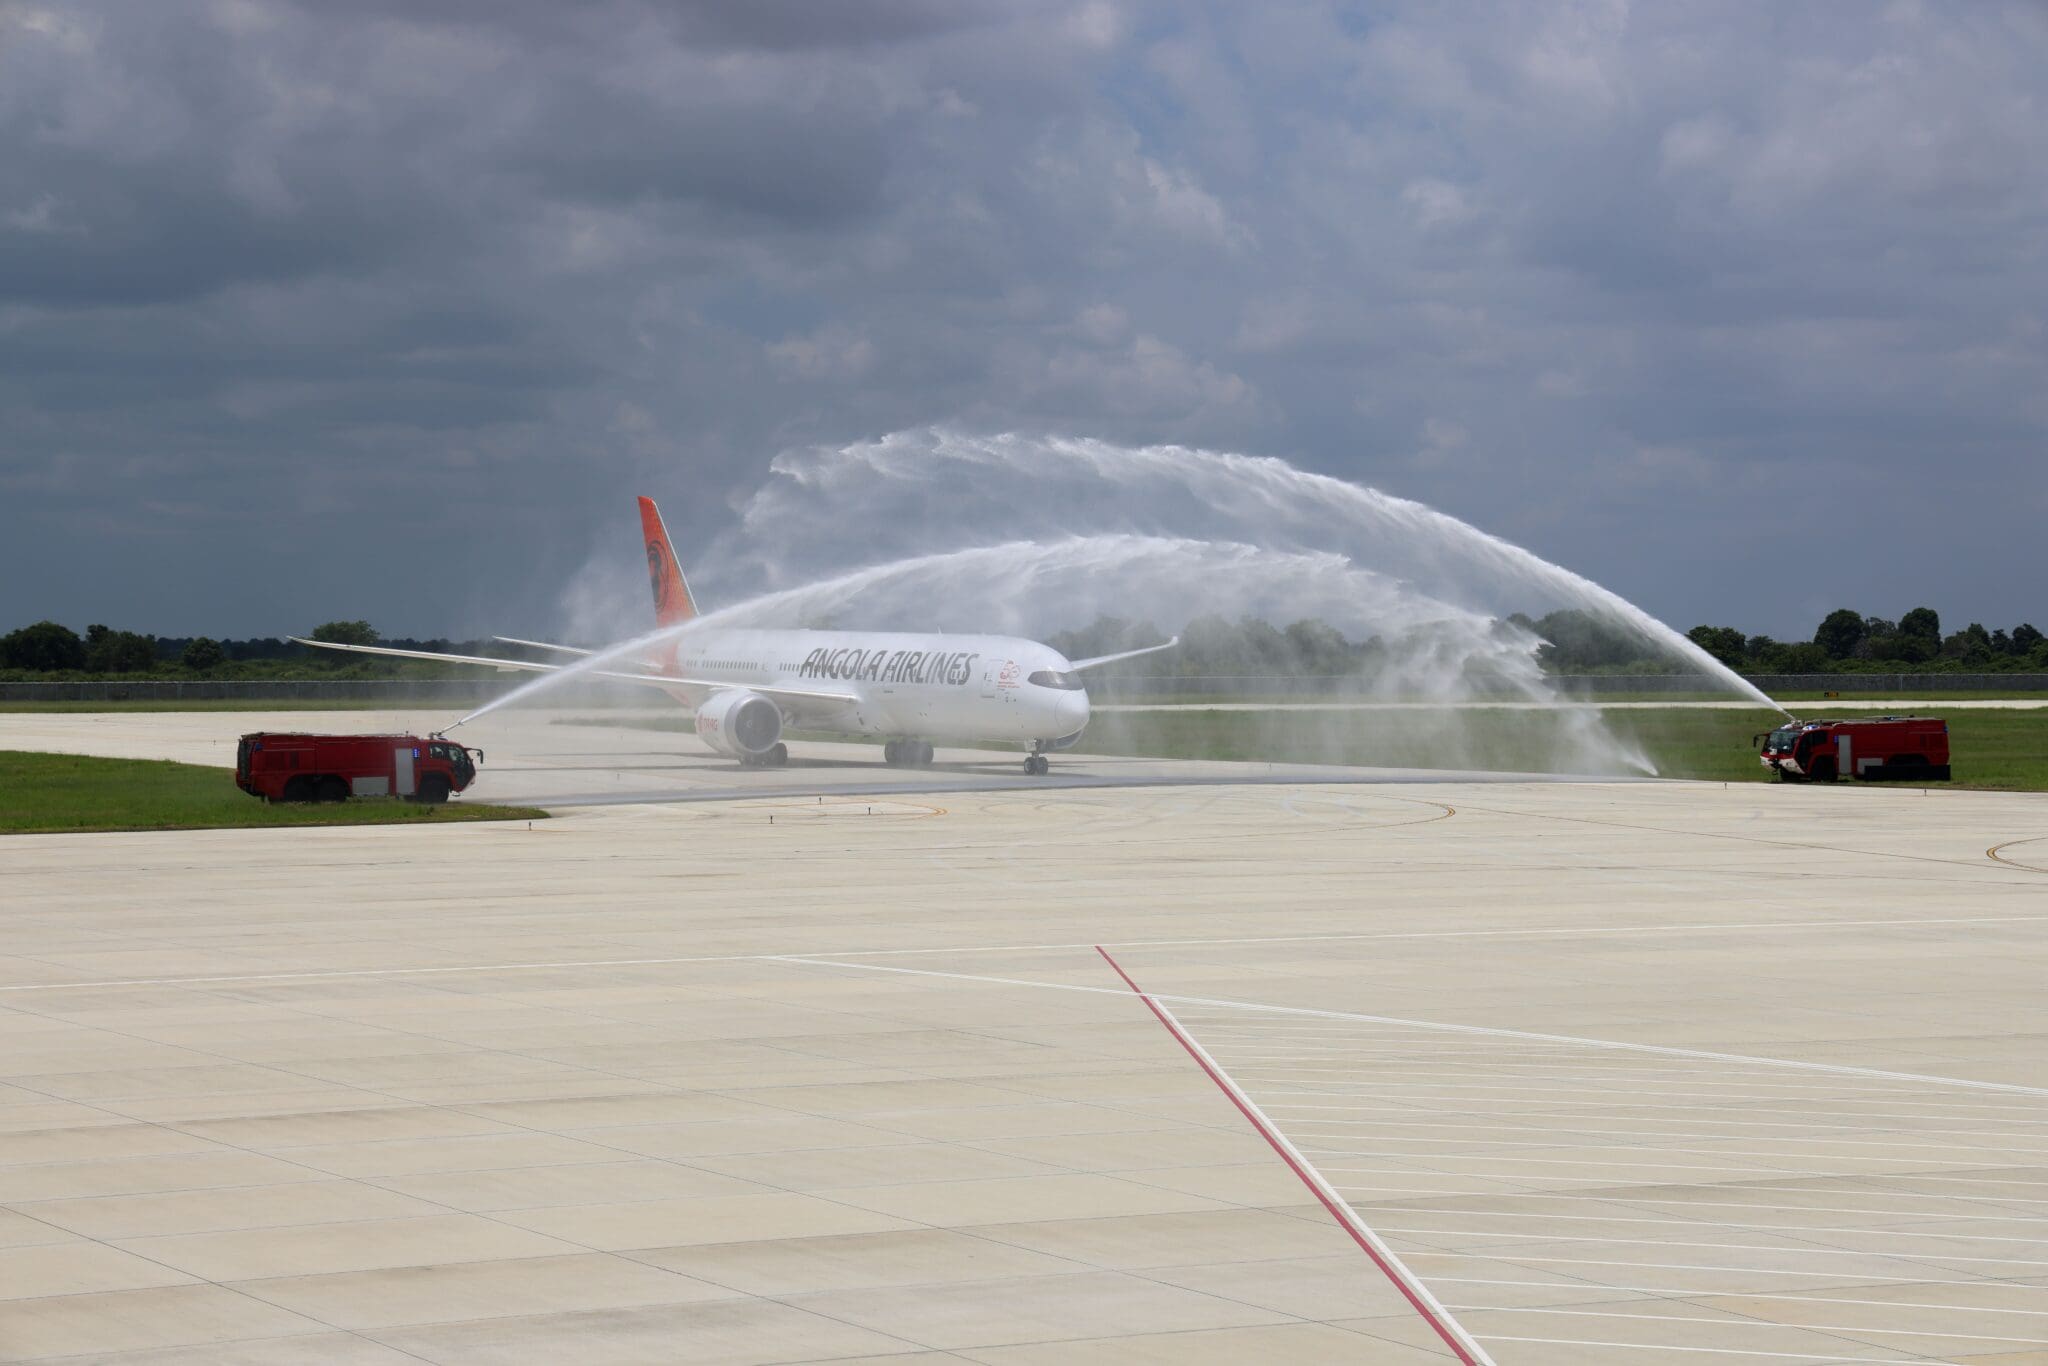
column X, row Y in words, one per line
column 742, row 725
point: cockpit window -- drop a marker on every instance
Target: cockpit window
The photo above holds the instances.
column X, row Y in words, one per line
column 1052, row 678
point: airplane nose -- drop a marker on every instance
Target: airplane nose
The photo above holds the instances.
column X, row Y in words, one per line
column 1072, row 712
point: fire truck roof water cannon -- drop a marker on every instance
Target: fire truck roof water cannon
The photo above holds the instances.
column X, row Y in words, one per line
column 1872, row 748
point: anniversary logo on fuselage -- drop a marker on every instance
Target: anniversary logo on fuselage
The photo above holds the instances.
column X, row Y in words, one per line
column 855, row 663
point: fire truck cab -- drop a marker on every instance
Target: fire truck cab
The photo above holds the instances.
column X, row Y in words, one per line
column 1873, row 748
column 291, row 767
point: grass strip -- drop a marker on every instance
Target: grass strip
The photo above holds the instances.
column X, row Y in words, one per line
column 56, row 793
column 1993, row 749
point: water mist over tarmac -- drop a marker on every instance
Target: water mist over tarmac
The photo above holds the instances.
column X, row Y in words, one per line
column 934, row 530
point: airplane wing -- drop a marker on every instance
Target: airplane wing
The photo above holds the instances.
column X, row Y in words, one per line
column 1081, row 664
column 542, row 645
column 657, row 680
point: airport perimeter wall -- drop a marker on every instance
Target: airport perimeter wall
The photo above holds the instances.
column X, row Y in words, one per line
column 462, row 691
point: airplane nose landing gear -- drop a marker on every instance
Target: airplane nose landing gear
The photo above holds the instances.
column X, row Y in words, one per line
column 1037, row 765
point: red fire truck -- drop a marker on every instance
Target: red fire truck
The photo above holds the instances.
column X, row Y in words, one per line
column 287, row 767
column 1874, row 748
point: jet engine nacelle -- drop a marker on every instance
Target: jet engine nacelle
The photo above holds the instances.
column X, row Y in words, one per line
column 740, row 724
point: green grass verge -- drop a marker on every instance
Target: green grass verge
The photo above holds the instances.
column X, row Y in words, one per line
column 47, row 793
column 2000, row 750
column 2005, row 750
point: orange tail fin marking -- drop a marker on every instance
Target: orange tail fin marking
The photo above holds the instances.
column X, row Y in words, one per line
column 672, row 600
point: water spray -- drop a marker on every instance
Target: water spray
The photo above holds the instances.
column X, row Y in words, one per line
column 1028, row 536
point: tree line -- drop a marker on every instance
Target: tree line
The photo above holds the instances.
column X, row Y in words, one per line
column 49, row 650
column 1574, row 642
column 1846, row 641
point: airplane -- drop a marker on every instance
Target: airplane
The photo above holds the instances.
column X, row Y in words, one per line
column 747, row 685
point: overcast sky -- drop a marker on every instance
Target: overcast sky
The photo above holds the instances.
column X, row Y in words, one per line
column 387, row 310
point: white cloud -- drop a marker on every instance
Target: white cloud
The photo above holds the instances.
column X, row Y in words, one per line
column 41, row 216
column 831, row 352
column 1103, row 324
column 1146, row 378
column 1436, row 204
column 1492, row 239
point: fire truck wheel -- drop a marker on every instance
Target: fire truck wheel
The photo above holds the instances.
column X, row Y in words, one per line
column 331, row 789
column 1823, row 770
column 434, row 789
column 298, row 789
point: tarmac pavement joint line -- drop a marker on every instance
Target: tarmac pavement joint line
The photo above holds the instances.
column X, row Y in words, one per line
column 1412, row 1289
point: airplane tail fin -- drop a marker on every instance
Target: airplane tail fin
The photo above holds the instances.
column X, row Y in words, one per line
column 672, row 601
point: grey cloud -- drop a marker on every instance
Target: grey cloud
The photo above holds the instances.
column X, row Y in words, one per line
column 1607, row 280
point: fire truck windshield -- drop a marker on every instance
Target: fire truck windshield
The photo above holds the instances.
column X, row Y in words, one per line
column 1779, row 739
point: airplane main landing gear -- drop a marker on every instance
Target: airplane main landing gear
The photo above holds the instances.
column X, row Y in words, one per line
column 1037, row 765
column 775, row 756
column 907, row 753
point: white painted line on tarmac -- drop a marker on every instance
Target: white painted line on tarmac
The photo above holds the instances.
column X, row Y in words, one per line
column 1801, row 1229
column 1783, row 1173
column 1592, row 1195
column 1733, row 1091
column 1746, row 1323
column 1812, row 1358
column 1408, row 1101
column 1481, row 1031
column 1509, row 1254
column 1505, row 1152
column 1599, row 1190
column 1861, row 1277
column 1682, row 1292
column 1808, row 926
column 1564, row 1128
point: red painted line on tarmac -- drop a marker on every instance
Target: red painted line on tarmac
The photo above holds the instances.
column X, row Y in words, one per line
column 1346, row 1220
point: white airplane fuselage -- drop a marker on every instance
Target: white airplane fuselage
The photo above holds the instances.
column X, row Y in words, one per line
column 893, row 684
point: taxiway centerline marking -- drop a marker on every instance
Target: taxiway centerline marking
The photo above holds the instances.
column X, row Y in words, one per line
column 1994, row 854
column 1413, row 1290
